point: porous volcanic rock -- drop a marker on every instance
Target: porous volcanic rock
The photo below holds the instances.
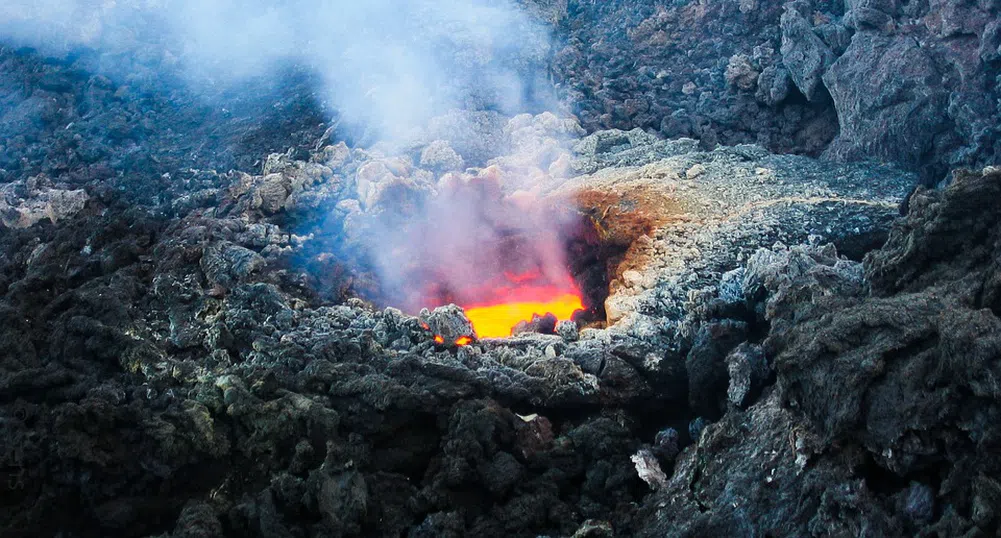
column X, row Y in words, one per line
column 192, row 342
column 913, row 83
column 189, row 353
column 882, row 416
column 688, row 216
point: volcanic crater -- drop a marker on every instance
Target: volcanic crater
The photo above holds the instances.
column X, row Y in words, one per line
column 247, row 255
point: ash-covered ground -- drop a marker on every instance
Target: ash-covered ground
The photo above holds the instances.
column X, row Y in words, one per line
column 196, row 340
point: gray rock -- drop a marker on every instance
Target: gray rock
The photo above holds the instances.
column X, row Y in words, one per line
column 568, row 330
column 990, row 42
column 741, row 73
column 613, row 148
column 197, row 520
column 774, row 84
column 889, row 97
column 668, row 443
column 271, row 193
column 748, row 371
column 804, row 54
column 225, row 263
column 447, row 324
column 24, row 203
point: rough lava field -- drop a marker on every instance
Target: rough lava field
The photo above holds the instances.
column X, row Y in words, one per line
column 783, row 218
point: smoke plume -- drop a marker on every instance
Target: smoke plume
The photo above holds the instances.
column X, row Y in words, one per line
column 390, row 69
column 388, row 66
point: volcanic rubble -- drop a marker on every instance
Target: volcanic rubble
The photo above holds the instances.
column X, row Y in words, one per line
column 912, row 81
column 216, row 360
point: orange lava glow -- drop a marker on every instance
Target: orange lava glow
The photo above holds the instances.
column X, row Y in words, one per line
column 497, row 320
column 463, row 341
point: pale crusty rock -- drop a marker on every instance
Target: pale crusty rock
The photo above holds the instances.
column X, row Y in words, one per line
column 23, row 203
column 271, row 194
column 648, row 469
column 683, row 234
column 439, row 156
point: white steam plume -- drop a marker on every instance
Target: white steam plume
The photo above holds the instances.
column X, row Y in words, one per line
column 388, row 65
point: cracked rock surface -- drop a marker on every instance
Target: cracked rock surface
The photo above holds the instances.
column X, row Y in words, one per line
column 189, row 342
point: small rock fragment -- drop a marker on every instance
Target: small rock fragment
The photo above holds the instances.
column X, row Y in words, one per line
column 748, row 371
column 568, row 330
column 696, row 426
column 648, row 469
column 593, row 528
column 539, row 324
column 667, row 443
column 695, row 171
column 448, row 324
column 534, row 434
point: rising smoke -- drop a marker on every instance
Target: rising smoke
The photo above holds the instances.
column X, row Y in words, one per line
column 387, row 65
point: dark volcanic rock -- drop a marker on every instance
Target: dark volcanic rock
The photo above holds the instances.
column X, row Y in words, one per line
column 804, row 53
column 735, row 482
column 902, row 119
column 185, row 352
column 712, row 71
column 912, row 82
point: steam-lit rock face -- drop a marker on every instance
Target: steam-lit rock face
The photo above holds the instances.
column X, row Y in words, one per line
column 906, row 82
column 194, row 340
column 705, row 213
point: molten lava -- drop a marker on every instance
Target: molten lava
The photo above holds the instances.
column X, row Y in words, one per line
column 499, row 253
column 497, row 321
column 504, row 307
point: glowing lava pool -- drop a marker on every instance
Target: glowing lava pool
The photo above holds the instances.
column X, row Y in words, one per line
column 497, row 320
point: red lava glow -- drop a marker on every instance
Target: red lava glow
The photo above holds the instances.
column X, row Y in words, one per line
column 503, row 307
column 497, row 321
column 501, row 256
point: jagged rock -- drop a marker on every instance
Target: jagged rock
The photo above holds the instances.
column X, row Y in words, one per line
column 667, row 444
column 741, row 73
column 850, row 362
column 568, row 330
column 732, row 482
column 942, row 240
column 22, row 204
column 440, row 157
column 773, row 85
column 448, row 324
column 805, row 55
column 545, row 324
column 270, row 195
column 707, row 365
column 197, row 520
column 605, row 149
column 665, row 75
column 748, row 371
column 225, row 263
column 595, row 529
column 887, row 91
column 648, row 469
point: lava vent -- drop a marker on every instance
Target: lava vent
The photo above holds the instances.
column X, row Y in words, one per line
column 514, row 262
